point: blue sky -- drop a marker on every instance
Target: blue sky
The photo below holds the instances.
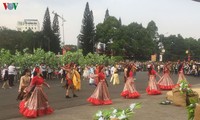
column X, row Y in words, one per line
column 171, row 16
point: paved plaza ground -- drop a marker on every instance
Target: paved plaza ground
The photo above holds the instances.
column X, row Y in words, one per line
column 151, row 110
column 80, row 109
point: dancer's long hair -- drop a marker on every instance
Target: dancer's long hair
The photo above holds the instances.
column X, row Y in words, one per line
column 36, row 71
column 180, row 67
column 150, row 69
column 25, row 71
column 128, row 70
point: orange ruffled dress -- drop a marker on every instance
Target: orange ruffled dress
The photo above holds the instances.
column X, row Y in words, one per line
column 166, row 83
column 101, row 94
column 129, row 90
column 152, row 88
column 37, row 104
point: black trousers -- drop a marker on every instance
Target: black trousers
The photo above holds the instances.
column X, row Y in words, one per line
column 44, row 74
column 11, row 79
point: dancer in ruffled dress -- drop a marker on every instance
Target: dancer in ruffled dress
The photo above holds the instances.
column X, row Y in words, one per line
column 152, row 88
column 24, row 83
column 91, row 73
column 115, row 77
column 69, row 80
column 76, row 78
column 96, row 72
column 125, row 72
column 181, row 76
column 101, row 94
column 129, row 90
column 166, row 82
column 86, row 73
column 37, row 104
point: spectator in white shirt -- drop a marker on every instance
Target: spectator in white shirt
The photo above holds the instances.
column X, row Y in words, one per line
column 11, row 74
column 44, row 70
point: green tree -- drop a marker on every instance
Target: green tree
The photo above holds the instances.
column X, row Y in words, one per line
column 141, row 41
column 86, row 38
column 193, row 48
column 38, row 40
column 16, row 40
column 120, row 21
column 55, row 26
column 108, row 33
column 107, row 30
column 174, row 47
column 152, row 29
column 132, row 41
column 106, row 15
column 56, row 35
column 48, row 38
column 28, row 41
column 11, row 40
column 5, row 57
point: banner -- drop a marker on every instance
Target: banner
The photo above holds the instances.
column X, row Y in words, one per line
column 153, row 58
column 161, row 58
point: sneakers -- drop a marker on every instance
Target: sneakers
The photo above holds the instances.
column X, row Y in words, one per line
column 75, row 95
column 6, row 88
column 67, row 96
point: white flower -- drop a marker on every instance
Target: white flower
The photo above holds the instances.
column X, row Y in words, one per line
column 181, row 84
column 180, row 89
column 114, row 111
column 191, row 105
column 101, row 118
column 132, row 106
column 121, row 117
column 123, row 112
column 99, row 114
column 113, row 116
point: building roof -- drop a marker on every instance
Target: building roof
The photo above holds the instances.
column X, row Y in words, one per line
column 69, row 47
column 30, row 20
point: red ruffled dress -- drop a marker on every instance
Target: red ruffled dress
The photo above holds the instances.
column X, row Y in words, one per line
column 129, row 90
column 37, row 104
column 68, row 81
column 101, row 94
column 152, row 88
column 181, row 77
column 97, row 78
column 165, row 82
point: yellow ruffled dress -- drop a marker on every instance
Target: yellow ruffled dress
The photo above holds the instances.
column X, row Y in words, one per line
column 76, row 80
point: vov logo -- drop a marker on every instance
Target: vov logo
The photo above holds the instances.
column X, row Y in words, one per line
column 10, row 6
